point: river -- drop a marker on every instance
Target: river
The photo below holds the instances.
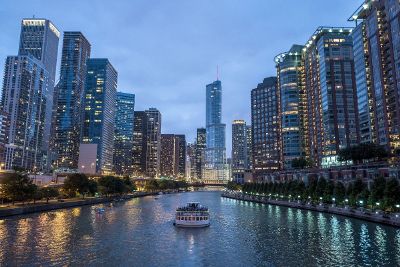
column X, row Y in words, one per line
column 139, row 232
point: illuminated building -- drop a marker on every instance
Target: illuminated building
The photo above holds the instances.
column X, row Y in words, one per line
column 376, row 43
column 291, row 84
column 173, row 156
column 249, row 144
column 99, row 111
column 331, row 94
column 69, row 100
column 265, row 128
column 200, row 151
column 139, row 143
column 215, row 167
column 153, row 142
column 25, row 96
column 123, row 138
column 239, row 150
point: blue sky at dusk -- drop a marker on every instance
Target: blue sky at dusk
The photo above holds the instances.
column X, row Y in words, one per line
column 167, row 51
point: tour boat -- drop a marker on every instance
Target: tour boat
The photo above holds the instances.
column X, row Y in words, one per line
column 192, row 215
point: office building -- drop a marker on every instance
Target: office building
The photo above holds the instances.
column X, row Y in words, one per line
column 291, row 86
column 70, row 90
column 332, row 118
column 99, row 112
column 201, row 145
column 249, row 144
column 376, row 46
column 139, row 153
column 153, row 142
column 239, row 150
column 173, row 156
column 265, row 128
column 123, row 137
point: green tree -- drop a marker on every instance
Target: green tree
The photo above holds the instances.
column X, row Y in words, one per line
column 49, row 192
column 339, row 192
column 321, row 186
column 301, row 163
column 17, row 186
column 392, row 194
column 129, row 185
column 76, row 183
column 151, row 185
column 378, row 190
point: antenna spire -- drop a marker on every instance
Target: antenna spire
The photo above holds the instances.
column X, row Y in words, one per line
column 217, row 72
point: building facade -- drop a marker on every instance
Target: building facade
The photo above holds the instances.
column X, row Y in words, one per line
column 291, row 86
column 239, row 150
column 173, row 156
column 139, row 144
column 249, row 143
column 265, row 128
column 99, row 111
column 376, row 43
column 123, row 138
column 153, row 142
column 69, row 96
column 25, row 96
column 201, row 144
column 331, row 94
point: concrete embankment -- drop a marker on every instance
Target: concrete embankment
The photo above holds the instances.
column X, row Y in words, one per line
column 388, row 219
column 32, row 208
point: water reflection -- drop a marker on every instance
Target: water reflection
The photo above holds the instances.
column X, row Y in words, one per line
column 140, row 233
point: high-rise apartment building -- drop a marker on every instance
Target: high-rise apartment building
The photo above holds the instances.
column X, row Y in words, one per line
column 123, row 138
column 99, row 112
column 376, row 46
column 291, row 86
column 153, row 142
column 332, row 118
column 249, row 144
column 70, row 89
column 265, row 128
column 201, row 145
column 27, row 95
column 139, row 143
column 239, row 150
column 24, row 99
column 173, row 156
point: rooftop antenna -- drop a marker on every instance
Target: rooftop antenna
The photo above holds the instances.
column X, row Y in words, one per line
column 217, row 73
column 33, row 16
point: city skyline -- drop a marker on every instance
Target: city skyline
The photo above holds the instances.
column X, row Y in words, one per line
column 145, row 69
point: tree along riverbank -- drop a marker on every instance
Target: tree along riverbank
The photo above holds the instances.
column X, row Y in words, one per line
column 363, row 214
column 68, row 203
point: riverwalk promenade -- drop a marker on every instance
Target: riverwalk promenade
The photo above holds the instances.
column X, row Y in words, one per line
column 359, row 213
column 41, row 206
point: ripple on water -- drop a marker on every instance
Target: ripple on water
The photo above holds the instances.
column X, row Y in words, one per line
column 139, row 232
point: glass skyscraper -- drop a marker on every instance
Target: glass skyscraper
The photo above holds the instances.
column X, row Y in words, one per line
column 291, row 84
column 69, row 99
column 376, row 42
column 139, row 143
column 200, row 148
column 99, row 111
column 27, row 95
column 332, row 116
column 239, row 150
column 123, row 139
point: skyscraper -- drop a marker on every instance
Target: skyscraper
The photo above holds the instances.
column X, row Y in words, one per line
column 200, row 151
column 24, row 99
column 27, row 95
column 139, row 143
column 331, row 94
column 99, row 115
column 123, row 139
column 39, row 38
column 265, row 128
column 215, row 151
column 376, row 43
column 173, row 156
column 70, row 89
column 291, row 84
column 153, row 142
column 215, row 168
column 239, row 150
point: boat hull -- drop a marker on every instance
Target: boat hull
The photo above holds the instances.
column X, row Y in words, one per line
column 192, row 225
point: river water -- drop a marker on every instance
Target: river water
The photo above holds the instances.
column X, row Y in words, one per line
column 139, row 232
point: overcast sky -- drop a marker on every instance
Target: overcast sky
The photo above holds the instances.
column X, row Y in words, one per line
column 167, row 51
